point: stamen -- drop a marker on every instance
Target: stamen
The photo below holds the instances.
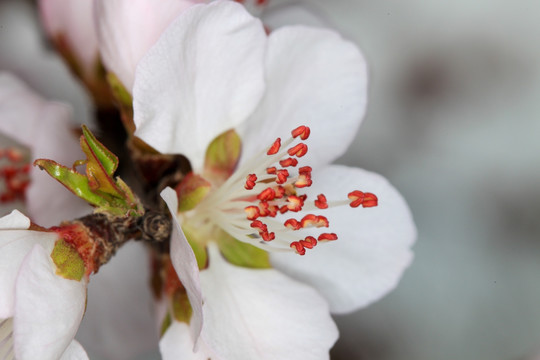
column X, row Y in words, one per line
column 358, row 198
column 321, row 202
column 302, row 131
column 298, row 150
column 252, row 212
column 267, row 194
column 309, row 242
column 288, row 162
column 250, row 181
column 282, row 176
column 275, row 147
column 327, row 237
column 293, row 224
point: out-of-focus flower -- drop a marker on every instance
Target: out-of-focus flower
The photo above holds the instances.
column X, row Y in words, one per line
column 70, row 26
column 42, row 292
column 45, row 128
column 213, row 70
column 128, row 28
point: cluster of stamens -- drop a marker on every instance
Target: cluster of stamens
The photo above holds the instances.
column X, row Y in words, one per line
column 14, row 173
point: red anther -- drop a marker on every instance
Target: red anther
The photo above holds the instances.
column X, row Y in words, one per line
column 250, row 181
column 275, row 147
column 267, row 194
column 14, row 155
column 309, row 242
column 304, row 180
column 267, row 209
column 294, row 203
column 252, row 212
column 321, row 202
column 370, row 200
column 305, row 170
column 280, row 191
column 257, row 224
column 292, row 224
column 282, row 176
column 299, row 248
column 298, row 150
column 303, row 198
column 288, row 162
column 314, row 220
column 356, row 197
column 283, row 209
column 327, row 237
column 268, row 236
column 302, row 131
column 271, row 170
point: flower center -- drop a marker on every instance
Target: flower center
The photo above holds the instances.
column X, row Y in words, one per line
column 14, row 174
column 258, row 202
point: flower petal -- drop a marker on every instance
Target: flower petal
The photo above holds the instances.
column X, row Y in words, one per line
column 48, row 308
column 185, row 264
column 14, row 247
column 314, row 78
column 119, row 322
column 373, row 246
column 263, row 314
column 15, row 220
column 74, row 352
column 128, row 28
column 176, row 344
column 73, row 21
column 204, row 76
column 44, row 127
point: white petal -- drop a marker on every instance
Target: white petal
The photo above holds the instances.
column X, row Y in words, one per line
column 185, row 264
column 128, row 28
column 74, row 21
column 176, row 344
column 204, row 76
column 263, row 314
column 314, row 78
column 15, row 220
column 74, row 352
column 48, row 308
column 14, row 246
column 119, row 322
column 44, row 127
column 6, row 339
column 373, row 246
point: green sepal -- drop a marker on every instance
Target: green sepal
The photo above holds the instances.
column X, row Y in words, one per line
column 69, row 263
column 222, row 156
column 165, row 324
column 181, row 306
column 191, row 190
column 119, row 91
column 242, row 254
column 198, row 247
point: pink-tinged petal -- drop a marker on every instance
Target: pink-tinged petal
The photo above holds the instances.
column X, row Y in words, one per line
column 204, row 76
column 263, row 314
column 14, row 246
column 15, row 220
column 373, row 246
column 45, row 128
column 128, row 28
column 74, row 352
column 185, row 264
column 73, row 21
column 6, row 339
column 314, row 78
column 48, row 308
column 119, row 322
column 176, row 344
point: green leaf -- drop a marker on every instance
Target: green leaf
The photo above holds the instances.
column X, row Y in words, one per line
column 242, row 254
column 107, row 159
column 75, row 182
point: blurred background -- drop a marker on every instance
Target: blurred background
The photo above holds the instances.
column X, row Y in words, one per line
column 453, row 122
